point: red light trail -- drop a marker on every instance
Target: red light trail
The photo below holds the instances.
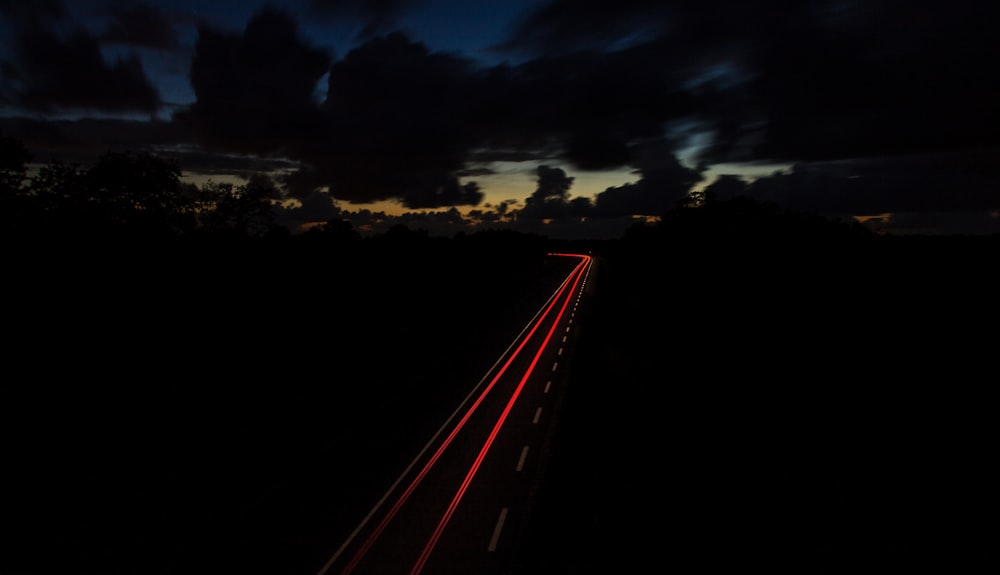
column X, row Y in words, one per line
column 567, row 288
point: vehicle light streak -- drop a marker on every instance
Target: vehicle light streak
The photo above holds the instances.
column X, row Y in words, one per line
column 376, row 533
column 429, row 547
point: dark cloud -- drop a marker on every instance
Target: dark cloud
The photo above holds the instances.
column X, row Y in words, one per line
column 83, row 141
column 551, row 199
column 317, row 207
column 449, row 193
column 881, row 78
column 402, row 123
column 47, row 71
column 474, row 171
column 552, row 211
column 255, row 91
column 882, row 105
column 727, row 186
column 553, row 183
column 589, row 106
column 379, row 15
column 303, row 182
column 138, row 24
column 663, row 182
column 562, row 26
column 953, row 182
column 198, row 161
column 32, row 13
column 321, row 207
column 805, row 81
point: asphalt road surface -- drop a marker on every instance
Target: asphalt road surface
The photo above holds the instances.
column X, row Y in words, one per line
column 125, row 458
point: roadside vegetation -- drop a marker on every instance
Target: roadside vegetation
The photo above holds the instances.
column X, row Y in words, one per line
column 754, row 387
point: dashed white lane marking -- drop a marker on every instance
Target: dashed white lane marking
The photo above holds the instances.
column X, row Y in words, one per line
column 524, row 455
column 538, row 414
column 555, row 365
column 548, row 384
column 497, row 529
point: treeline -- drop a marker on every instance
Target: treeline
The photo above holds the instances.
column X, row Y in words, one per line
column 127, row 202
column 133, row 195
column 138, row 199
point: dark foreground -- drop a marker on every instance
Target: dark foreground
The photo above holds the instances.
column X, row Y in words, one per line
column 230, row 409
column 797, row 413
column 819, row 410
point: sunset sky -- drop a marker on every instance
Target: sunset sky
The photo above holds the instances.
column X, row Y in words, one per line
column 567, row 117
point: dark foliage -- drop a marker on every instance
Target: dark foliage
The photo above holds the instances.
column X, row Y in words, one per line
column 762, row 387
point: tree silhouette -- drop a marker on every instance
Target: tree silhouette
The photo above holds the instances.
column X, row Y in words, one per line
column 14, row 158
column 333, row 232
column 124, row 194
column 15, row 206
column 139, row 193
column 57, row 205
column 244, row 210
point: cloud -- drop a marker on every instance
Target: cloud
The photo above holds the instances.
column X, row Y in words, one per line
column 805, row 81
column 85, row 140
column 402, row 123
column 317, row 207
column 563, row 26
column 946, row 182
column 882, row 78
column 590, row 107
column 139, row 24
column 552, row 183
column 882, row 106
column 380, row 16
column 664, row 181
column 727, row 186
column 321, row 207
column 32, row 13
column 450, row 192
column 551, row 199
column 50, row 71
column 255, row 91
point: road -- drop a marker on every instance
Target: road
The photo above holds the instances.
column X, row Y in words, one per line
column 245, row 464
column 459, row 505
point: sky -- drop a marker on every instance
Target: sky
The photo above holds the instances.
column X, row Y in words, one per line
column 572, row 118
